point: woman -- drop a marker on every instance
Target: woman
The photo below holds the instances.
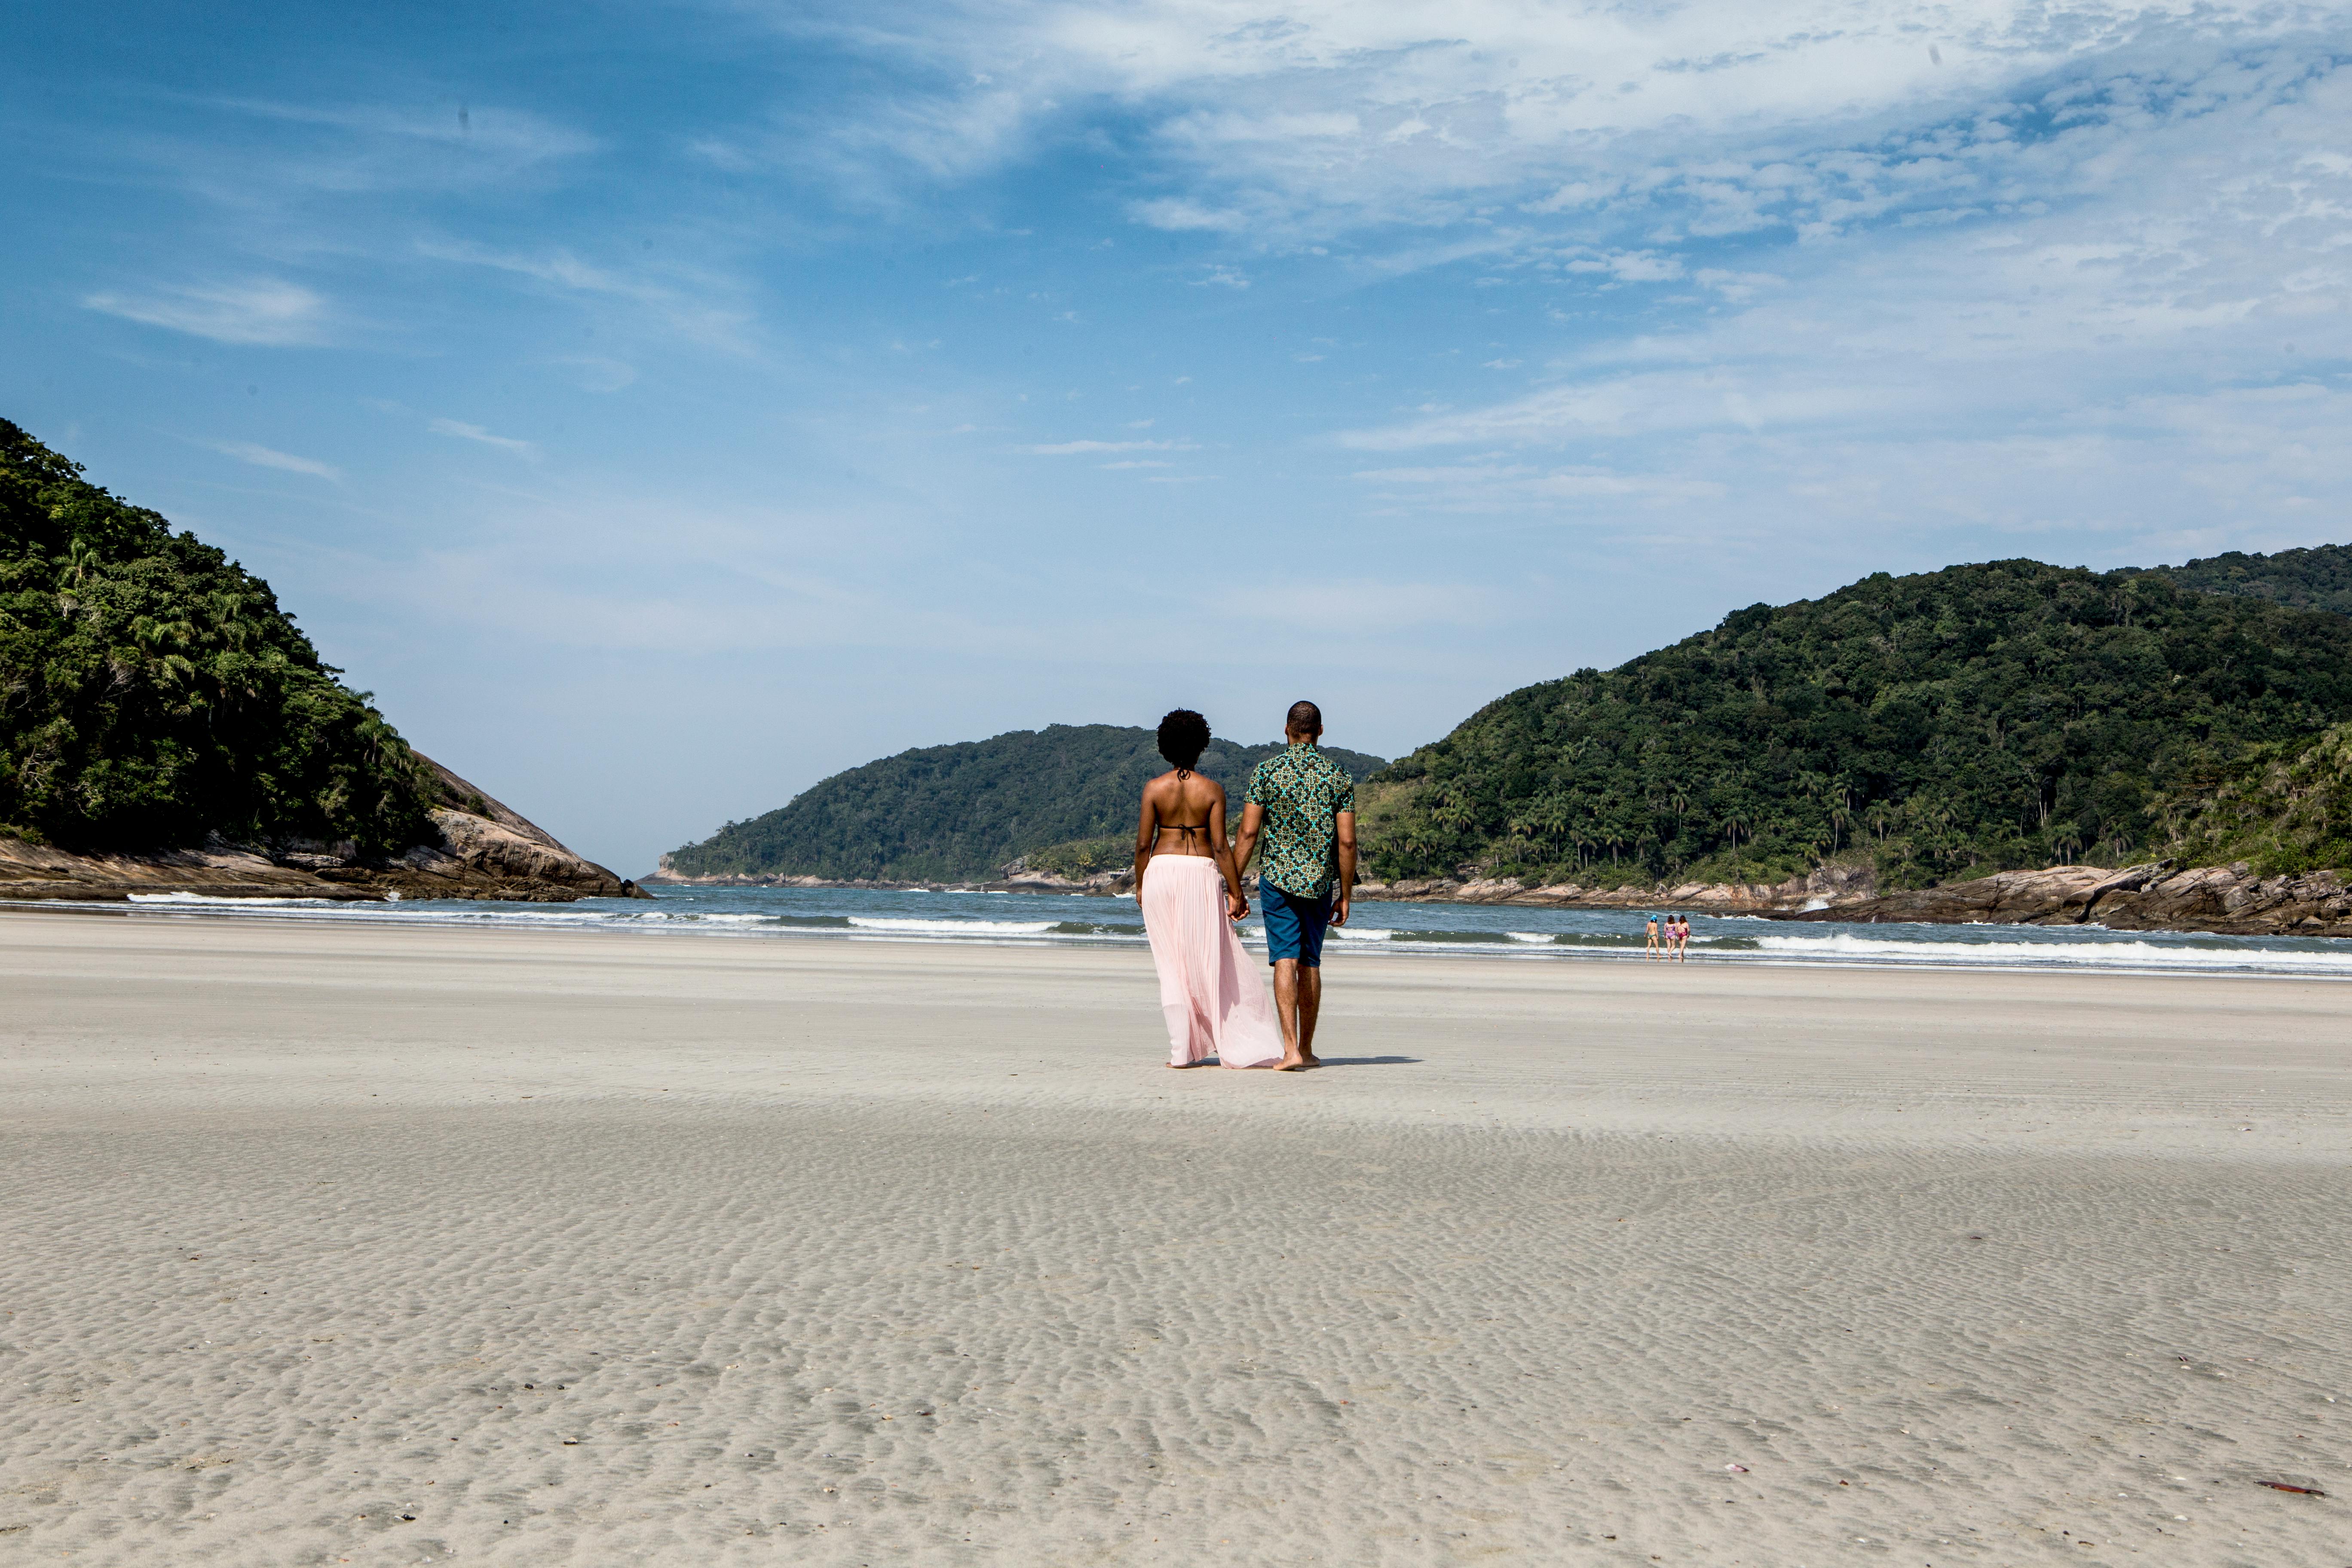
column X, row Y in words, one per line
column 1650, row 946
column 1190, row 892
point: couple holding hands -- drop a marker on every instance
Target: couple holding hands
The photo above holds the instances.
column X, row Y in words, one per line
column 1300, row 811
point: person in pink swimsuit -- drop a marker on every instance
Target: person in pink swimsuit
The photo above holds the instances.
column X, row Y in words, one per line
column 1190, row 890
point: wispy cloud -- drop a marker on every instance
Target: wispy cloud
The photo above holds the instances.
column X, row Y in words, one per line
column 262, row 457
column 1075, row 448
column 264, row 311
column 465, row 432
column 703, row 310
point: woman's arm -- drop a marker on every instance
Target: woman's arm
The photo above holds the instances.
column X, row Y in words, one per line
column 1146, row 830
column 1236, row 901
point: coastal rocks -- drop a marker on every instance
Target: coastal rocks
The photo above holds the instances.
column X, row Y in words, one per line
column 2226, row 899
column 1015, row 880
column 1825, row 886
column 482, row 850
column 218, row 871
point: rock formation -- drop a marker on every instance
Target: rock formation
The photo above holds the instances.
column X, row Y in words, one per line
column 1826, row 885
column 2228, row 900
column 486, row 850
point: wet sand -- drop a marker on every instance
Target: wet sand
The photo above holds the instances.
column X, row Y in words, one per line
column 388, row 1246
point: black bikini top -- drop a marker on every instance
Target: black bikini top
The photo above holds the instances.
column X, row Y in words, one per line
column 1187, row 829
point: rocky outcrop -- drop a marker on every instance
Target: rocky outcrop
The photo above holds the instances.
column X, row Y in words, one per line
column 1825, row 886
column 1015, row 879
column 2227, row 900
column 483, row 849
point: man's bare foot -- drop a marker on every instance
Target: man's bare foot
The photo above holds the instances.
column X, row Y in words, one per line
column 1293, row 1064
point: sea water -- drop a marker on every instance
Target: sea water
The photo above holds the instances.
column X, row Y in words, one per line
column 1390, row 930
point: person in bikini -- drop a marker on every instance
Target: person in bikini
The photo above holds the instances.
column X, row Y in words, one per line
column 1188, row 886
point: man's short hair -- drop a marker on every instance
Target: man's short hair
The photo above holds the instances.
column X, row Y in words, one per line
column 1304, row 719
column 1183, row 736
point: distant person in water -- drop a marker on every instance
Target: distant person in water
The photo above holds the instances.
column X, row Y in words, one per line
column 1304, row 808
column 1682, row 939
column 1189, row 889
column 1650, row 941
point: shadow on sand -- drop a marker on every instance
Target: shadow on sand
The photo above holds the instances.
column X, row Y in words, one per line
column 1364, row 1061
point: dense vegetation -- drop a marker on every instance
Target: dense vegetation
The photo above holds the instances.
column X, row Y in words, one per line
column 960, row 812
column 1981, row 717
column 153, row 694
column 2319, row 578
column 2284, row 808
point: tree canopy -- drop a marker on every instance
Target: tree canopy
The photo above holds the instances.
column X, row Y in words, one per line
column 960, row 812
column 1981, row 717
column 2319, row 578
column 153, row 694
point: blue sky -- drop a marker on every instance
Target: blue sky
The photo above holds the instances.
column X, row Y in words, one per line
column 662, row 407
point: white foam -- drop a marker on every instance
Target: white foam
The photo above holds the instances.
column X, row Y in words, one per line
column 215, row 899
column 1542, row 936
column 2077, row 954
column 955, row 928
column 1363, row 933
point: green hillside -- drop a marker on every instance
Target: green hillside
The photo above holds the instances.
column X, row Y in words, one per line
column 151, row 692
column 959, row 813
column 2319, row 578
column 1981, row 717
column 2286, row 808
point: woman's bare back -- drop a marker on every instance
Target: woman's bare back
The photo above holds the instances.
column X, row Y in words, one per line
column 1187, row 811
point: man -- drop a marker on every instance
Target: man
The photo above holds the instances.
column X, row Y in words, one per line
column 1306, row 808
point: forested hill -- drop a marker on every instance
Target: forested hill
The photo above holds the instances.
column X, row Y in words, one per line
column 2007, row 714
column 152, row 693
column 959, row 813
column 2319, row 578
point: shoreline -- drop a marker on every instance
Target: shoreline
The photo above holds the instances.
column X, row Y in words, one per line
column 2155, row 896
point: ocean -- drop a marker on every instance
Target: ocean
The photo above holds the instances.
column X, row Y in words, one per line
column 1388, row 930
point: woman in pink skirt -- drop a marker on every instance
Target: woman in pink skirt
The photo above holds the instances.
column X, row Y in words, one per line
column 1191, row 893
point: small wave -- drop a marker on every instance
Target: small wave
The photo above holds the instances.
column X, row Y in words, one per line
column 954, row 928
column 2081, row 954
column 1363, row 933
column 1544, row 937
column 215, row 899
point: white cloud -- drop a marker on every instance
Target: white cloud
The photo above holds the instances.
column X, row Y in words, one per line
column 262, row 457
column 267, row 312
column 1175, row 214
column 1073, row 449
column 465, row 432
column 1223, row 278
column 684, row 306
column 1321, row 115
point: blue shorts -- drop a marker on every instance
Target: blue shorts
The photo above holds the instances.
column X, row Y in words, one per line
column 1294, row 926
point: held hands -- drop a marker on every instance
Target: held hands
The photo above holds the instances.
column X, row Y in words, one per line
column 1235, row 906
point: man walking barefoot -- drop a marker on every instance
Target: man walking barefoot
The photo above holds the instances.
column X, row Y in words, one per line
column 1306, row 808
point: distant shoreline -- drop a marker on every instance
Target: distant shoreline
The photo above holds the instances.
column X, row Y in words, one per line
column 2226, row 900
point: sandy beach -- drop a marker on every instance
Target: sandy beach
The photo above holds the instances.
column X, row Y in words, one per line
column 374, row 1245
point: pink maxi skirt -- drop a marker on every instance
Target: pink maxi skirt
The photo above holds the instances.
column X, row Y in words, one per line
column 1212, row 995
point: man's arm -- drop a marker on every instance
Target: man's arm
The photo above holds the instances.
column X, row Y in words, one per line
column 1344, row 825
column 1253, row 823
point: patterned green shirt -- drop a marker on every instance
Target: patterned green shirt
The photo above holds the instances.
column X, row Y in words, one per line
column 1302, row 791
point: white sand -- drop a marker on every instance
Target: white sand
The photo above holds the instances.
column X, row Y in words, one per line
column 603, row 1248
